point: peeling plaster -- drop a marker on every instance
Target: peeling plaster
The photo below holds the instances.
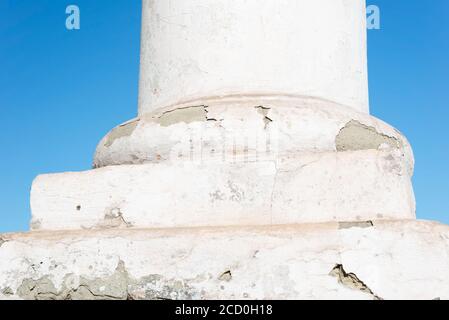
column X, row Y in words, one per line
column 351, row 281
column 117, row 286
column 35, row 224
column 114, row 219
column 355, row 224
column 122, row 131
column 357, row 136
column 186, row 115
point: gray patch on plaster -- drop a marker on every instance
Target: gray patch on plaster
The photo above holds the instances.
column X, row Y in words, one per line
column 114, row 287
column 122, row 131
column 156, row 288
column 186, row 115
column 355, row 224
column 237, row 195
column 351, row 281
column 118, row 286
column 357, row 136
column 114, row 219
column 41, row 289
column 7, row 291
column 35, row 224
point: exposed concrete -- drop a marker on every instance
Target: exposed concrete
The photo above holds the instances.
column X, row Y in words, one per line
column 357, row 136
column 120, row 132
column 355, row 224
column 41, row 289
column 114, row 287
column 185, row 115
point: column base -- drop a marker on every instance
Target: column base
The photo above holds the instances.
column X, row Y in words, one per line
column 368, row 260
column 236, row 161
column 310, row 188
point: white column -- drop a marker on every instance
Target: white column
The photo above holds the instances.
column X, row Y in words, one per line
column 252, row 112
column 194, row 50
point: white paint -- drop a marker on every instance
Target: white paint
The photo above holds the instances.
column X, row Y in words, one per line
column 292, row 57
column 396, row 260
column 197, row 49
column 312, row 187
column 240, row 132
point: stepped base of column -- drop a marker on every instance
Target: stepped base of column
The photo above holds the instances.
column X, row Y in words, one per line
column 320, row 187
column 238, row 161
column 359, row 260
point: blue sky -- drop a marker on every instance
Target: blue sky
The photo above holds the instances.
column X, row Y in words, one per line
column 61, row 91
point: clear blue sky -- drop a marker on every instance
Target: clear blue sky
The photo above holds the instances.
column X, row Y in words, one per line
column 61, row 91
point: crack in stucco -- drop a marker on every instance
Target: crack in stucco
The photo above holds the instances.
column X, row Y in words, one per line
column 226, row 276
column 7, row 291
column 355, row 136
column 264, row 112
column 351, row 281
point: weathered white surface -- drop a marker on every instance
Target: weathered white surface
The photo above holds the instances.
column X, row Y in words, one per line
column 313, row 187
column 387, row 260
column 233, row 130
column 197, row 49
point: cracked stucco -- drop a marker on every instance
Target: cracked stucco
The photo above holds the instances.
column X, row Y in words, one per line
column 264, row 111
column 238, row 132
column 351, row 281
column 226, row 276
column 285, row 262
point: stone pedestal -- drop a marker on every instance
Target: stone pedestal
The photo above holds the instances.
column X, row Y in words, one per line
column 369, row 260
column 253, row 170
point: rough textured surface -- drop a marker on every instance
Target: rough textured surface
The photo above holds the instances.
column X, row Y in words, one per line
column 195, row 49
column 245, row 129
column 314, row 187
column 388, row 260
